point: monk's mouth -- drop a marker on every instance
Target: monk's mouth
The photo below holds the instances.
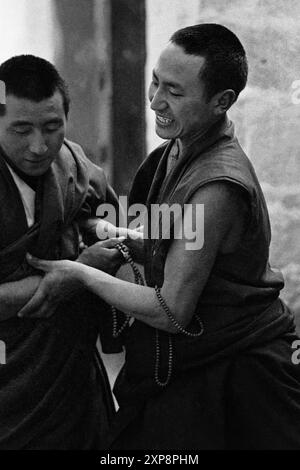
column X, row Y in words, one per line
column 38, row 162
column 163, row 121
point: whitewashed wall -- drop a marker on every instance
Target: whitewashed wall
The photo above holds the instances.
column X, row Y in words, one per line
column 28, row 27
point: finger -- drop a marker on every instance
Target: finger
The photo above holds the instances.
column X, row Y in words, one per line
column 115, row 254
column 40, row 264
column 135, row 234
column 121, row 232
column 33, row 305
column 111, row 242
column 105, row 229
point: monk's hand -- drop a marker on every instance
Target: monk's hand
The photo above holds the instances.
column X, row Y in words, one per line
column 134, row 240
column 133, row 234
column 61, row 281
column 103, row 255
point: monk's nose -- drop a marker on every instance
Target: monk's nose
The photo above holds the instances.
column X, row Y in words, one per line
column 37, row 144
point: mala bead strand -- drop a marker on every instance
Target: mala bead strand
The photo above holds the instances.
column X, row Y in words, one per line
column 124, row 250
column 173, row 320
column 157, row 361
column 116, row 332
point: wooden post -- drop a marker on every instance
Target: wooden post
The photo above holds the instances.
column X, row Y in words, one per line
column 128, row 98
column 77, row 62
column 103, row 58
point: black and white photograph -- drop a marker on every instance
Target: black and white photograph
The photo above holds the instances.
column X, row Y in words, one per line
column 150, row 228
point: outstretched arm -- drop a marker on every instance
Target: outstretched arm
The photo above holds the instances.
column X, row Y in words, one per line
column 186, row 270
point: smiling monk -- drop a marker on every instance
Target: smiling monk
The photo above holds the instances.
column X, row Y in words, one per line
column 208, row 357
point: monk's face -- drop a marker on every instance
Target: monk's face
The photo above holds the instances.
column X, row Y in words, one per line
column 177, row 95
column 31, row 134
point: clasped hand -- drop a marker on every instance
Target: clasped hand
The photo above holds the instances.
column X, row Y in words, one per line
column 63, row 278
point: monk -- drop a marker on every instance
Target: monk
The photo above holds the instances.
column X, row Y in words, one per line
column 209, row 354
column 54, row 392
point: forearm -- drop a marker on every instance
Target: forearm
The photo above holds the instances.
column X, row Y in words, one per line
column 14, row 295
column 139, row 301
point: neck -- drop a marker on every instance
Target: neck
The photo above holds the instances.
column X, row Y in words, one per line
column 188, row 140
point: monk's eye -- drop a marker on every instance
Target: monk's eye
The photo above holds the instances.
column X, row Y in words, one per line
column 22, row 130
column 154, row 80
column 53, row 127
column 175, row 93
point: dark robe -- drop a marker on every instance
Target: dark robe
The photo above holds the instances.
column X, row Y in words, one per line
column 54, row 392
column 235, row 386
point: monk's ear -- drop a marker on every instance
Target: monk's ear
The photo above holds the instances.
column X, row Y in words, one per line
column 223, row 101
